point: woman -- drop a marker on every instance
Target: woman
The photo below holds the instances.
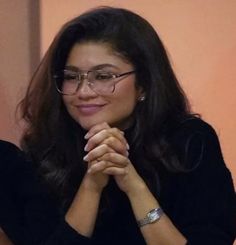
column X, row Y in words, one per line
column 114, row 141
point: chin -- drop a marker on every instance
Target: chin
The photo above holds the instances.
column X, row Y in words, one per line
column 87, row 124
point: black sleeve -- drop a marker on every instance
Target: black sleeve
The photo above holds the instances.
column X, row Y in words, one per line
column 202, row 201
column 28, row 215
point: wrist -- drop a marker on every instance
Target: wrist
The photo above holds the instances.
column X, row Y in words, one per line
column 138, row 189
column 151, row 217
column 91, row 187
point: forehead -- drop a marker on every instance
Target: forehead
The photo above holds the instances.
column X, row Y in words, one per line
column 94, row 53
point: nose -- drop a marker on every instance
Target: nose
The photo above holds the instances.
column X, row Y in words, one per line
column 83, row 89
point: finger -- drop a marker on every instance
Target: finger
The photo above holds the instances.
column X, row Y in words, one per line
column 100, row 166
column 100, row 136
column 91, row 163
column 115, row 171
column 102, row 153
column 117, row 145
column 99, row 151
column 111, row 160
column 116, row 158
column 111, row 136
column 95, row 129
column 108, row 160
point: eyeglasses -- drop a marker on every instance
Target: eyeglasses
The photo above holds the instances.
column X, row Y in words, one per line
column 101, row 82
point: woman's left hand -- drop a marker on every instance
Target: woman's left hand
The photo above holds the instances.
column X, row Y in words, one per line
column 127, row 178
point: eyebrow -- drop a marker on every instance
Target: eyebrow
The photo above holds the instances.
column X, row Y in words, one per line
column 97, row 67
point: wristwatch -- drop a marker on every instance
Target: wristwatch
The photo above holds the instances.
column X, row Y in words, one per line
column 152, row 216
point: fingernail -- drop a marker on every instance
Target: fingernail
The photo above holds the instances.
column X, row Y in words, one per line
column 86, row 136
column 127, row 146
column 85, row 158
column 86, row 147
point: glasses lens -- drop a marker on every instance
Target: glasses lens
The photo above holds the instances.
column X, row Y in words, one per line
column 101, row 82
column 66, row 82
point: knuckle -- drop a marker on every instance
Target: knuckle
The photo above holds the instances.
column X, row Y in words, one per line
column 109, row 156
column 127, row 162
column 116, row 130
column 105, row 147
column 103, row 163
column 105, row 124
column 111, row 140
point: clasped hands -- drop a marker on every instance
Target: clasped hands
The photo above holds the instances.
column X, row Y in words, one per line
column 107, row 155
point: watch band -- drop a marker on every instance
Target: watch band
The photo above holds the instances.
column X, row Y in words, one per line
column 152, row 216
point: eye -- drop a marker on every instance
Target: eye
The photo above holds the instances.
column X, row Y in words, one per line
column 103, row 76
column 69, row 76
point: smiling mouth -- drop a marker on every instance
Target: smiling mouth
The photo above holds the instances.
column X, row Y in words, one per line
column 89, row 109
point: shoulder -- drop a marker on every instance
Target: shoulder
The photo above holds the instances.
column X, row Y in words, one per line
column 195, row 142
column 12, row 159
column 17, row 174
column 193, row 126
column 197, row 147
column 7, row 147
column 204, row 193
column 9, row 152
column 193, row 130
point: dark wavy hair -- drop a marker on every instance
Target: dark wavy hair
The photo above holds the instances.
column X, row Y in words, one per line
column 54, row 140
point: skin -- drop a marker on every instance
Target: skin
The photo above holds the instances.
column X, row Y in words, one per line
column 103, row 115
column 87, row 107
column 105, row 118
column 4, row 239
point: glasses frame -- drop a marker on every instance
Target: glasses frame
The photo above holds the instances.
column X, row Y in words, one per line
column 81, row 76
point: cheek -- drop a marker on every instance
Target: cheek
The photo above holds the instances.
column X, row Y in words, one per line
column 125, row 103
column 128, row 93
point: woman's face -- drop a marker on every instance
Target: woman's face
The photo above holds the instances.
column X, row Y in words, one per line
column 86, row 106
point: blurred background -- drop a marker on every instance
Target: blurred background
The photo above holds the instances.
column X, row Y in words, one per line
column 199, row 35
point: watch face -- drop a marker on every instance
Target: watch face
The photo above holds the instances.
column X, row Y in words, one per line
column 153, row 215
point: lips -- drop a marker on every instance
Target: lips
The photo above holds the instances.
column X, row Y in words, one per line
column 89, row 109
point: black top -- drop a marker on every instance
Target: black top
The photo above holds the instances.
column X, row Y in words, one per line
column 201, row 203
